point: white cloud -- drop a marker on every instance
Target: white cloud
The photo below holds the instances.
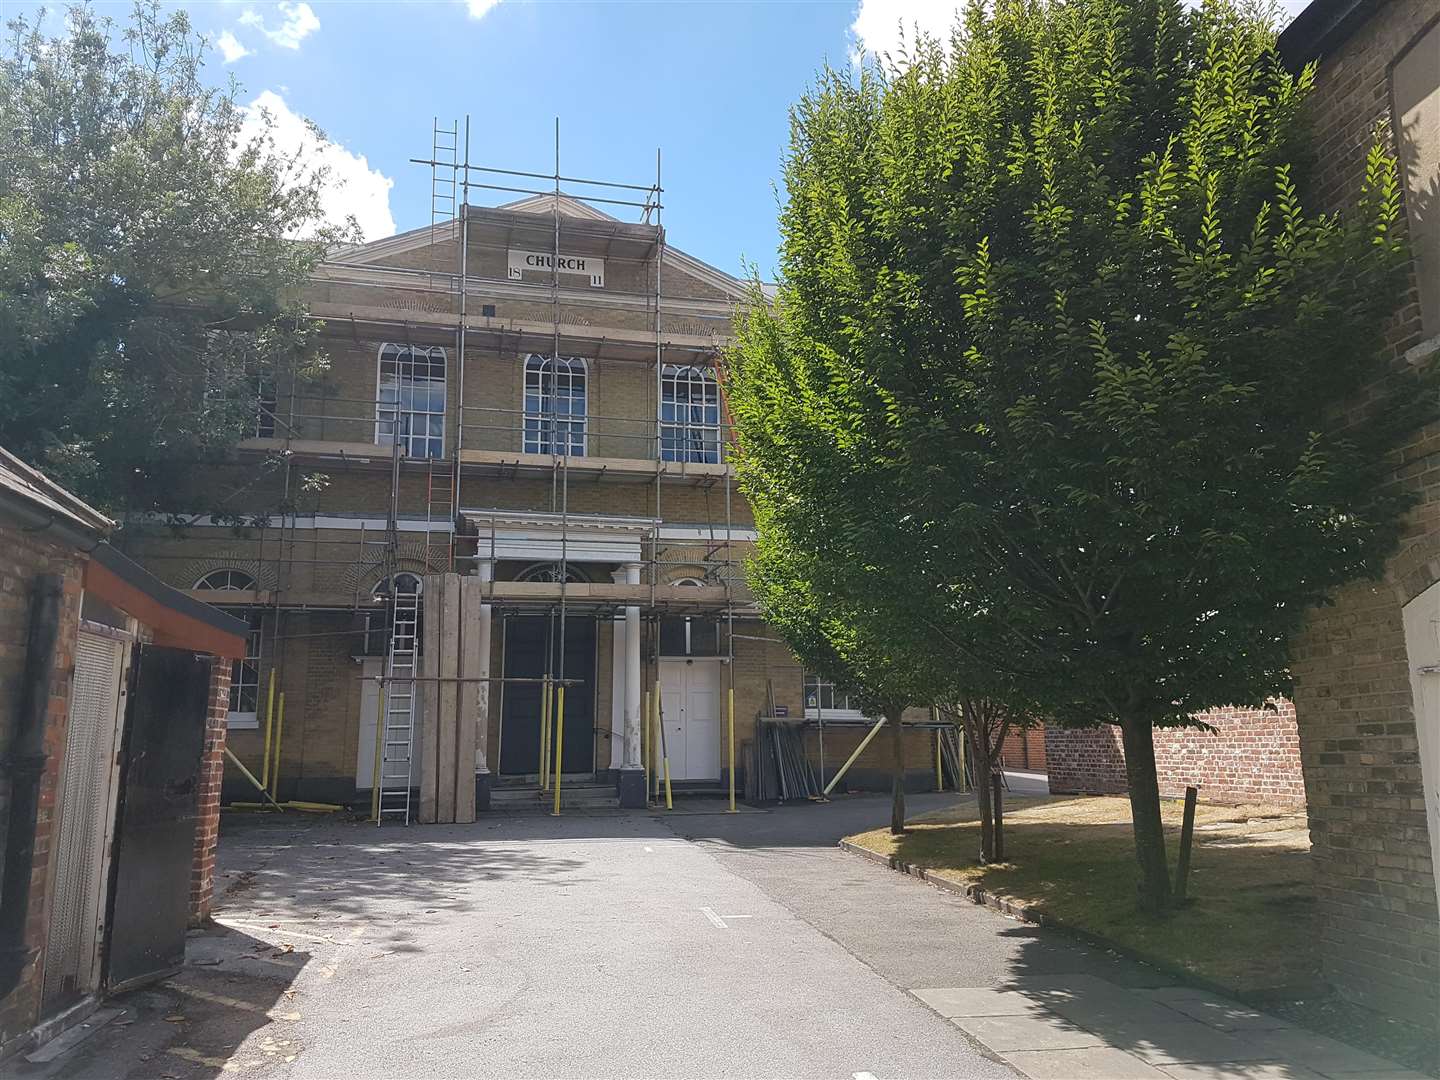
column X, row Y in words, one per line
column 230, row 47
column 478, row 9
column 354, row 189
column 881, row 25
column 298, row 23
column 878, row 23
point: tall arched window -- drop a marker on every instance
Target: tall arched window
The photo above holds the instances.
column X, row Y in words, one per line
column 227, row 580
column 410, row 400
column 555, row 395
column 689, row 414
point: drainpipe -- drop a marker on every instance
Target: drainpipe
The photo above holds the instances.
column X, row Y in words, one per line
column 24, row 765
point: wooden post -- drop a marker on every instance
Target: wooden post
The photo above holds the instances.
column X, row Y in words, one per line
column 1187, row 837
column 997, row 784
column 559, row 743
column 730, row 714
column 269, row 722
column 449, row 701
column 279, row 742
column 425, row 719
column 467, row 696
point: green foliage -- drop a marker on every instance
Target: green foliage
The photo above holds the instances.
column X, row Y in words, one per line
column 149, row 266
column 1067, row 369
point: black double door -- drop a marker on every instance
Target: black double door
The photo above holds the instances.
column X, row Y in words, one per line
column 528, row 641
column 156, row 817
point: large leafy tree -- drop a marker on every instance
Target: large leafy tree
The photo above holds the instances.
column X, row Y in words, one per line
column 1063, row 356
column 149, row 261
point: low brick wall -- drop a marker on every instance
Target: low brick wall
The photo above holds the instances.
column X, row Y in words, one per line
column 1252, row 756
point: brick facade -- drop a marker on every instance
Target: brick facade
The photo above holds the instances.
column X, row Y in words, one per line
column 1024, row 750
column 1253, row 756
column 207, row 807
column 28, row 553
column 1353, row 694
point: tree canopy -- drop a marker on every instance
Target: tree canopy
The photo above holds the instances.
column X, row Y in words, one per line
column 1065, row 356
column 150, row 260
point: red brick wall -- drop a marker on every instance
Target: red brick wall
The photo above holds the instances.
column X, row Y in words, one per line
column 212, row 775
column 24, row 554
column 1024, row 750
column 1252, row 756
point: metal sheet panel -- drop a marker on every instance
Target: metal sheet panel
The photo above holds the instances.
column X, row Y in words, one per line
column 84, row 809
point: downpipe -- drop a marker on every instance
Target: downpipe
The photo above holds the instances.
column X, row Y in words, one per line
column 23, row 767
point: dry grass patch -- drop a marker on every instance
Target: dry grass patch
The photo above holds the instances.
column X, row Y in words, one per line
column 1249, row 924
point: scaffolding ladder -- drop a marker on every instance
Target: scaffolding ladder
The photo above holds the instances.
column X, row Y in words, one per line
column 397, row 745
column 440, row 514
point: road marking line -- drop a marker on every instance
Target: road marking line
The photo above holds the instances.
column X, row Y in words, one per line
column 709, row 913
column 198, row 1058
column 232, row 1003
column 737, row 916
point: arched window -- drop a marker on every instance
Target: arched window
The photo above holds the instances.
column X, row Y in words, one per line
column 550, row 571
column 410, row 400
column 555, row 405
column 227, row 579
column 402, row 584
column 689, row 414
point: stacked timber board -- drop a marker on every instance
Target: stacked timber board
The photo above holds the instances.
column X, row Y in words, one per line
column 451, row 708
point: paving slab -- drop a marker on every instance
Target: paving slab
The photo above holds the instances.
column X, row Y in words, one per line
column 1186, row 1041
column 1321, row 1053
column 1226, row 1015
column 1239, row 1070
column 1098, row 1004
column 1042, row 1032
column 1087, row 1063
column 955, row 1001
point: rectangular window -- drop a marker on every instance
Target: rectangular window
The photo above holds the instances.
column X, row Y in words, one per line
column 410, row 408
column 264, row 408
column 245, row 680
column 822, row 699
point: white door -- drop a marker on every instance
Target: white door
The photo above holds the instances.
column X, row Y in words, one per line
column 690, row 701
column 1422, row 646
column 370, row 668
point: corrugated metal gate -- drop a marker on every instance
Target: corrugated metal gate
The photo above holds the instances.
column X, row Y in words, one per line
column 87, row 796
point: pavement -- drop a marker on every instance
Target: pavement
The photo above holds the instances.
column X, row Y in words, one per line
column 631, row 944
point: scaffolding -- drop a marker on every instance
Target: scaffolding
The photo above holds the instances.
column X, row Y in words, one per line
column 420, row 310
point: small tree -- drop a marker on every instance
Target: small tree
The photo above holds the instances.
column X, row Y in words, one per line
column 1057, row 329
column 850, row 646
column 149, row 263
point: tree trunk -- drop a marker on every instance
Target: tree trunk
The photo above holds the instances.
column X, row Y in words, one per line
column 980, row 773
column 897, row 797
column 1138, row 738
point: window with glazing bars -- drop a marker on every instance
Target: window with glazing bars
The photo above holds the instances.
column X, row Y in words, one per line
column 555, row 405
column 410, row 396
column 822, row 698
column 245, row 679
column 689, row 414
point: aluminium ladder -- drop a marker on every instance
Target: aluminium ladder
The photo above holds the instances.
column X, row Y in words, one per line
column 401, row 664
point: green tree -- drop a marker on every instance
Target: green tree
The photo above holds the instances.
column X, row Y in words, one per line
column 1064, row 354
column 855, row 648
column 149, row 262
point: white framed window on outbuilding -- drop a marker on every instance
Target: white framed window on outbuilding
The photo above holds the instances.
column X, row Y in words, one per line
column 823, row 700
column 410, row 399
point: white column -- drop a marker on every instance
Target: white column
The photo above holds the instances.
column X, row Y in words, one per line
column 618, row 651
column 485, row 571
column 632, row 674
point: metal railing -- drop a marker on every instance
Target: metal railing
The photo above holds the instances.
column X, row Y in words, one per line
column 422, row 433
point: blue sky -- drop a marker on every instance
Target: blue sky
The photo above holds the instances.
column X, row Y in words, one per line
column 709, row 83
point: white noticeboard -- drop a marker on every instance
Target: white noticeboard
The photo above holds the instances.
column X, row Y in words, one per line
column 587, row 266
